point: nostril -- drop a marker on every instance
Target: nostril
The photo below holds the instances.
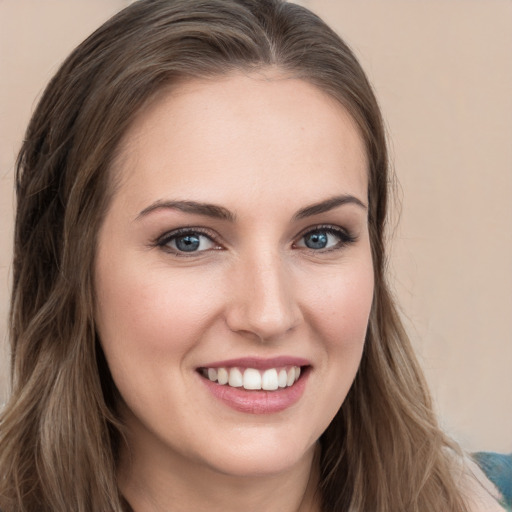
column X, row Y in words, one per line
column 264, row 307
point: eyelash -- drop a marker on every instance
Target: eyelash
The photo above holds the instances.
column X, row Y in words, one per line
column 345, row 238
column 163, row 241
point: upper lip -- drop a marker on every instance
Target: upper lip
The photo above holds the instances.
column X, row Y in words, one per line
column 259, row 363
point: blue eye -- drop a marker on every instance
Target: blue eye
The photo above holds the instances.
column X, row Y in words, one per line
column 187, row 242
column 316, row 240
column 325, row 238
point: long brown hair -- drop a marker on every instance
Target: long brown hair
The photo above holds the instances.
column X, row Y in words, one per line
column 60, row 433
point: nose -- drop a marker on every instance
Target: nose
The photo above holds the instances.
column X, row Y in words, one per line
column 263, row 302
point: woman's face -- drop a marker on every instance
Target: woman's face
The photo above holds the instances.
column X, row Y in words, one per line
column 235, row 249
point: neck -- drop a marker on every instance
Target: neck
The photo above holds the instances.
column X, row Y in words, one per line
column 149, row 485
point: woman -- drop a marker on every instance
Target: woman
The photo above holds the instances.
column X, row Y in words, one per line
column 200, row 318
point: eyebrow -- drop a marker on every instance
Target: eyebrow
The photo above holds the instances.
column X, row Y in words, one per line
column 327, row 205
column 219, row 212
column 206, row 209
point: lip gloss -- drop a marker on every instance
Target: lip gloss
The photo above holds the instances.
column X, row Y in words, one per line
column 258, row 401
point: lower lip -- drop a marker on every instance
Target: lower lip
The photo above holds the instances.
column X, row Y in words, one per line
column 258, row 402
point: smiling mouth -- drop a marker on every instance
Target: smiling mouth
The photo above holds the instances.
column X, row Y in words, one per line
column 252, row 379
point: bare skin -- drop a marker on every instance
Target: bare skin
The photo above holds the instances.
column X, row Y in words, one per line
column 281, row 269
column 151, row 492
column 263, row 149
column 481, row 493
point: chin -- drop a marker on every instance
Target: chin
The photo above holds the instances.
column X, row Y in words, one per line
column 259, row 450
column 259, row 461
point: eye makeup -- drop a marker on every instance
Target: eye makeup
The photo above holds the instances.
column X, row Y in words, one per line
column 192, row 241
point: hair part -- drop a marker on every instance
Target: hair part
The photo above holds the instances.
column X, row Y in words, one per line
column 60, row 433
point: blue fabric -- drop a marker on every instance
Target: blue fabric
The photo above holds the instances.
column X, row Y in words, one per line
column 498, row 468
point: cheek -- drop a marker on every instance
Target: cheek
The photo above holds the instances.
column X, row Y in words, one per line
column 144, row 314
column 341, row 306
column 338, row 312
column 149, row 323
column 342, row 322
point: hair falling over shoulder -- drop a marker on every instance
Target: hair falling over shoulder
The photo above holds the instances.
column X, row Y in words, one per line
column 59, row 432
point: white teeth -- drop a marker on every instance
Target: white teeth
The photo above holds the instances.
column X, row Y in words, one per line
column 252, row 379
column 269, row 380
column 235, row 378
column 282, row 378
column 291, row 377
column 222, row 376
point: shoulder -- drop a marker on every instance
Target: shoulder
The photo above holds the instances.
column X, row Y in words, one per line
column 498, row 469
column 488, row 482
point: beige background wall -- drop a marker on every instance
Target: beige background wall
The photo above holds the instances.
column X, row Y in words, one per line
column 443, row 74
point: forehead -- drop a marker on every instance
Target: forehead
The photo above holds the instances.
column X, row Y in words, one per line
column 242, row 133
